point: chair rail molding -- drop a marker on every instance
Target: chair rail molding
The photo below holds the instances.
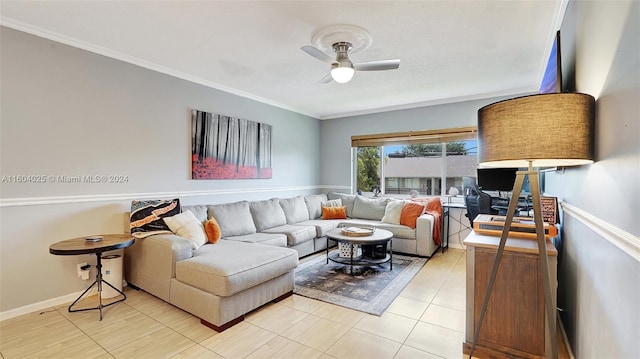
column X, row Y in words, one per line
column 622, row 239
column 39, row 201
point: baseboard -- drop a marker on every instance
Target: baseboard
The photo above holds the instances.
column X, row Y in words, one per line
column 564, row 337
column 45, row 304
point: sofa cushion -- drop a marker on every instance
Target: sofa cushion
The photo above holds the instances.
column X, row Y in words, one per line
column 198, row 210
column 234, row 218
column 146, row 216
column 230, row 266
column 398, row 230
column 347, row 201
column 322, row 225
column 271, row 239
column 314, row 204
column 295, row 210
column 369, row 208
column 392, row 212
column 295, row 234
column 186, row 225
column 267, row 214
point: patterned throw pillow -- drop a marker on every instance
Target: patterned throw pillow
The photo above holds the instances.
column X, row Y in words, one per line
column 146, row 216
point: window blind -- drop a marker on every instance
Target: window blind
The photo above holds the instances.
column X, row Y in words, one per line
column 415, row 137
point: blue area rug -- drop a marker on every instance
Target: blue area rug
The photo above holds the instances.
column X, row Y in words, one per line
column 370, row 289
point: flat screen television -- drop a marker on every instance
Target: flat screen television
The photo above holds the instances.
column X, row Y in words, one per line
column 496, row 179
column 552, row 79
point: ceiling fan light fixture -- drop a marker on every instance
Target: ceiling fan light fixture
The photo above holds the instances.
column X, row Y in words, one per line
column 342, row 74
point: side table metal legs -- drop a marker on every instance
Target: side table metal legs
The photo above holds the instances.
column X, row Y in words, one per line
column 98, row 282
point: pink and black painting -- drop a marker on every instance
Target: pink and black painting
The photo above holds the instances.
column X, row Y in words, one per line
column 225, row 147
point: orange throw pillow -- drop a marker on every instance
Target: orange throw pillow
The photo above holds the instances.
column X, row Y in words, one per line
column 410, row 213
column 212, row 228
column 334, row 212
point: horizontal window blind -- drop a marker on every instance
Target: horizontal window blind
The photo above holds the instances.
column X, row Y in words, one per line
column 415, row 137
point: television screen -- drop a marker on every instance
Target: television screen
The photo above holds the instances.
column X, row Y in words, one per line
column 496, row 179
column 552, row 80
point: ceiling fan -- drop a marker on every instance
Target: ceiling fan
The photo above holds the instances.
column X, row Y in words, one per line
column 342, row 69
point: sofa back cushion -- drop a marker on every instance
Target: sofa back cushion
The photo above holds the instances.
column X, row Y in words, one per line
column 347, row 201
column 267, row 214
column 198, row 210
column 368, row 208
column 314, row 204
column 234, row 218
column 295, row 210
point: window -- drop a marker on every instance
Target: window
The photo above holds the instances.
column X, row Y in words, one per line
column 430, row 162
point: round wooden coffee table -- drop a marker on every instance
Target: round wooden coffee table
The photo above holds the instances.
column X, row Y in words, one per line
column 379, row 236
column 81, row 245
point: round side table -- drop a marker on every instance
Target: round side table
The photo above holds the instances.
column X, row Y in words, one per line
column 81, row 245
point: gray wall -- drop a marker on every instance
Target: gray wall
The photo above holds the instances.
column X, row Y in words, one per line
column 599, row 284
column 66, row 111
column 336, row 133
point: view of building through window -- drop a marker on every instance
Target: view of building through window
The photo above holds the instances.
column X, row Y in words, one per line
column 430, row 168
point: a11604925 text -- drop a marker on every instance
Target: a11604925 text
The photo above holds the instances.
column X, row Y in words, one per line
column 35, row 179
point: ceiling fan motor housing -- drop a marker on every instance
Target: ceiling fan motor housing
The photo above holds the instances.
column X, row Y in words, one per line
column 342, row 58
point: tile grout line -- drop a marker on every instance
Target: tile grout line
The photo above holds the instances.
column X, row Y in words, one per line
column 82, row 331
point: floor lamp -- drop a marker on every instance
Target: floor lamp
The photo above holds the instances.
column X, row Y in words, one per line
column 547, row 130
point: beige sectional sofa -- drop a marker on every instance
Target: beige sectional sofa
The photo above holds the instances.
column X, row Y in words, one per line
column 254, row 262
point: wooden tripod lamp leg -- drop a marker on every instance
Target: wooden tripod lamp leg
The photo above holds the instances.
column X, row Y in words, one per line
column 544, row 262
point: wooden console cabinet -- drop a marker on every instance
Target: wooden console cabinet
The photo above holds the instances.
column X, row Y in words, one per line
column 515, row 322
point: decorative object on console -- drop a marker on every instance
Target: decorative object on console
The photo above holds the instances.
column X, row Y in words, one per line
column 550, row 209
column 146, row 216
column 534, row 131
column 225, row 147
column 453, row 191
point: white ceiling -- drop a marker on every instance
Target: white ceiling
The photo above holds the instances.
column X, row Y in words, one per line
column 449, row 50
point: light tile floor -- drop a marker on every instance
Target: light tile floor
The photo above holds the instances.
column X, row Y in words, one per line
column 425, row 321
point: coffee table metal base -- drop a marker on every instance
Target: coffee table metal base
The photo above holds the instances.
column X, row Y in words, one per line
column 360, row 260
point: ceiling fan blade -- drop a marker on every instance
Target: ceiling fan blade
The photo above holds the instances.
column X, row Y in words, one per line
column 377, row 65
column 318, row 54
column 326, row 79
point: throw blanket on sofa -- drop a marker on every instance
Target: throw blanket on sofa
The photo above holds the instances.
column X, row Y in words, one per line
column 434, row 208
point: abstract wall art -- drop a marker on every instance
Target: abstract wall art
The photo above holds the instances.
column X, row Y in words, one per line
column 225, row 147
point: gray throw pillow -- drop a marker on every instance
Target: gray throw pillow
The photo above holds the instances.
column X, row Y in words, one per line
column 347, row 201
column 369, row 208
